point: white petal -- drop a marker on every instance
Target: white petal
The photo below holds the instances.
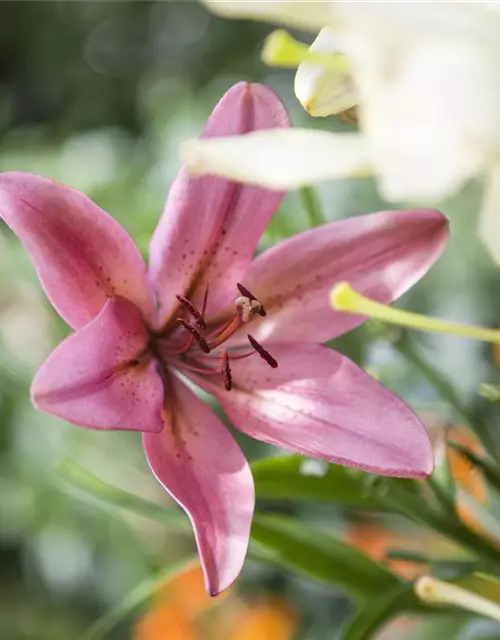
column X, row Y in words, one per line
column 323, row 90
column 279, row 159
column 303, row 14
column 431, row 111
column 489, row 221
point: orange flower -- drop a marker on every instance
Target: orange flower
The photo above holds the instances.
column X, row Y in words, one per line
column 184, row 611
column 267, row 621
column 468, row 480
column 376, row 540
column 464, row 474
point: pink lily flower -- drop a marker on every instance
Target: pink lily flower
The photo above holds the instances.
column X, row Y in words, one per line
column 248, row 331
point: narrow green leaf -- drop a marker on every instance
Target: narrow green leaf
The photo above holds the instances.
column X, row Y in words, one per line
column 318, row 555
column 483, row 584
column 407, row 555
column 297, row 478
column 82, row 479
column 442, row 482
column 447, row 392
column 132, row 601
column 379, row 610
column 415, row 508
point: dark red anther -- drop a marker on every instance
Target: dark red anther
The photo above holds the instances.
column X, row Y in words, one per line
column 247, row 294
column 197, row 315
column 225, row 370
column 196, row 335
column 265, row 355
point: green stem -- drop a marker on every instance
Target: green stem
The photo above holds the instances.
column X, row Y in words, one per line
column 444, row 498
column 446, row 390
column 413, row 508
column 312, row 205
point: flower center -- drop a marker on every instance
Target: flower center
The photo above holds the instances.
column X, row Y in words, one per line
column 199, row 341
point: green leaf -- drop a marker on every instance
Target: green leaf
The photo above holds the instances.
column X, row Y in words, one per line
column 296, row 478
column 417, row 509
column 483, row 584
column 318, row 555
column 132, row 601
column 264, row 537
column 82, row 479
column 442, row 483
column 379, row 610
column 447, row 392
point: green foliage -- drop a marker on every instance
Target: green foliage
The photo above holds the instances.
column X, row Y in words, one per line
column 319, row 555
column 296, row 478
column 379, row 610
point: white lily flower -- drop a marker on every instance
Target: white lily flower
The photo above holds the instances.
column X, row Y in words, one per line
column 302, row 14
column 235, row 157
column 326, row 89
column 426, row 76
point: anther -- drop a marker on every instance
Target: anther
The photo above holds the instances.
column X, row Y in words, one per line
column 197, row 315
column 203, row 344
column 226, row 370
column 265, row 355
column 204, row 306
column 247, row 294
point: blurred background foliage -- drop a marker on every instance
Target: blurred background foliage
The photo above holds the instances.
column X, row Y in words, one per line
column 98, row 95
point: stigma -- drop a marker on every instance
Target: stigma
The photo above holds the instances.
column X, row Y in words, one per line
column 247, row 309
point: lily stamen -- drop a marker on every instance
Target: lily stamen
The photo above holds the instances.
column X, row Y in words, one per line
column 203, row 344
column 265, row 355
column 197, row 315
column 225, row 370
column 204, row 305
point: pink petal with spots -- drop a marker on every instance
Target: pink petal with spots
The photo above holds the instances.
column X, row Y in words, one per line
column 210, row 227
column 100, row 377
column 381, row 255
column 81, row 254
column 320, row 404
column 198, row 462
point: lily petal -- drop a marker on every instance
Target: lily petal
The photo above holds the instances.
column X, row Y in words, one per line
column 211, row 227
column 310, row 14
column 81, row 254
column 320, row 404
column 381, row 255
column 323, row 89
column 100, row 376
column 198, row 462
column 280, row 159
